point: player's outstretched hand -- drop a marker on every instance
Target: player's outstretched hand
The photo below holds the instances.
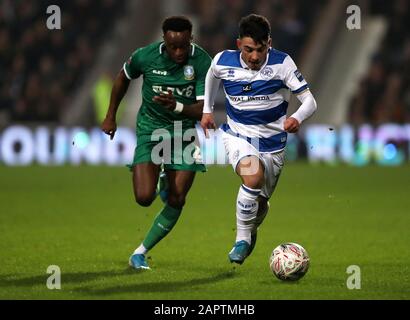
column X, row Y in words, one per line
column 291, row 125
column 207, row 122
column 167, row 100
column 109, row 126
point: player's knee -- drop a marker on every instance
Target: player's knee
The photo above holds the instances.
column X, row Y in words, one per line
column 254, row 182
column 144, row 200
column 176, row 200
column 254, row 178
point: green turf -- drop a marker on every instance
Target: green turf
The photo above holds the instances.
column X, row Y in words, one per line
column 84, row 220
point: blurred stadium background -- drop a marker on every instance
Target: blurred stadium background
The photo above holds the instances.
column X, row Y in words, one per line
column 55, row 84
column 54, row 92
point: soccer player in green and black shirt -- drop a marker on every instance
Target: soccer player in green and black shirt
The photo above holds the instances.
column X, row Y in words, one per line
column 174, row 72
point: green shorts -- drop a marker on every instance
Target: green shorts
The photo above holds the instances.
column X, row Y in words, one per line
column 174, row 153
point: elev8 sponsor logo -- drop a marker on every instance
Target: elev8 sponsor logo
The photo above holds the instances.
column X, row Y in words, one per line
column 184, row 92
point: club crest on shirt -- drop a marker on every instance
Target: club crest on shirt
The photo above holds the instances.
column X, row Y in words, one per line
column 267, row 73
column 189, row 72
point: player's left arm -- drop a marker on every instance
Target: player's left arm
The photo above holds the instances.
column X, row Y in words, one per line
column 305, row 111
column 298, row 85
column 194, row 111
column 168, row 101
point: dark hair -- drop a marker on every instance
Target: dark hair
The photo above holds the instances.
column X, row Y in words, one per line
column 256, row 27
column 177, row 24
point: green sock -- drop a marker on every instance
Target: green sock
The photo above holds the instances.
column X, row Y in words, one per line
column 163, row 224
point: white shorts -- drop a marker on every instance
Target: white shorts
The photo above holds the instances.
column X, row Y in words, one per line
column 237, row 148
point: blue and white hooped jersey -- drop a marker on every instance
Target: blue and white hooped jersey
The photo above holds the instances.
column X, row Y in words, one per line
column 257, row 100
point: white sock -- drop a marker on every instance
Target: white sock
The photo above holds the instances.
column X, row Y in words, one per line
column 246, row 209
column 140, row 250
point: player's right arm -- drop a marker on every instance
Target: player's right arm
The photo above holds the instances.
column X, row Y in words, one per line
column 132, row 69
column 298, row 85
column 211, row 89
column 120, row 87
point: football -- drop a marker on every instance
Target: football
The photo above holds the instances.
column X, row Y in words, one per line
column 289, row 261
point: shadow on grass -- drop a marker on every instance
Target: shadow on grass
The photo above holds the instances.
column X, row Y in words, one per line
column 166, row 285
column 161, row 286
column 10, row 280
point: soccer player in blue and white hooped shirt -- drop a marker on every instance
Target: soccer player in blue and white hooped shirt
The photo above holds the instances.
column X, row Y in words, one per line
column 257, row 81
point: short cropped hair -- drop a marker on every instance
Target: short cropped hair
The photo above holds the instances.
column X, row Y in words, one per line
column 177, row 24
column 256, row 27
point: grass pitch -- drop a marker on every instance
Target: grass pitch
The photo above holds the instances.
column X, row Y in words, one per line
column 84, row 220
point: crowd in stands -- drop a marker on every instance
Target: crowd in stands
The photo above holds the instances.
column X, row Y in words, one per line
column 384, row 93
column 39, row 68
